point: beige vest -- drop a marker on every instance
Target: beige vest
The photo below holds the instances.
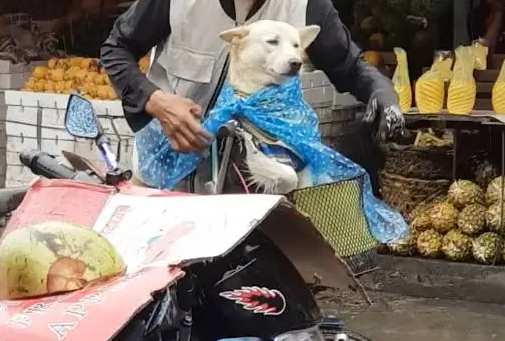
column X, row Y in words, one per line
column 191, row 60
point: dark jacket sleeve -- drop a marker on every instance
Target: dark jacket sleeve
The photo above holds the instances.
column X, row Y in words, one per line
column 339, row 58
column 140, row 28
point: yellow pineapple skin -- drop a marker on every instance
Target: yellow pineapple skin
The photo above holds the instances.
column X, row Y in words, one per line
column 498, row 97
column 401, row 81
column 498, row 93
column 461, row 97
column 462, row 90
column 404, row 97
column 429, row 92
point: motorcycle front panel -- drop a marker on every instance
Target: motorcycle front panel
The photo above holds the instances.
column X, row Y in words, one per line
column 253, row 291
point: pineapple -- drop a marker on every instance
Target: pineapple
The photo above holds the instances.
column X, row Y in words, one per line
column 464, row 192
column 430, row 87
column 401, row 80
column 444, row 217
column 420, row 215
column 494, row 217
column 472, row 219
column 456, row 246
column 495, row 191
column 429, row 243
column 405, row 246
column 485, row 173
column 462, row 90
column 484, row 248
column 498, row 93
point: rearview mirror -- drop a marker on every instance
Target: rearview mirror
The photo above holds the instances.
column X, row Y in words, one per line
column 80, row 118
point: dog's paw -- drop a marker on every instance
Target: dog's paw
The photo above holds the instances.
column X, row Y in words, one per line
column 268, row 175
column 305, row 178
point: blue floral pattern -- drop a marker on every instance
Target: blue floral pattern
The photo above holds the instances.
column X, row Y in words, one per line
column 281, row 111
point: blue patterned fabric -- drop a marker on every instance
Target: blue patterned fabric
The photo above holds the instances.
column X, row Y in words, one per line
column 280, row 111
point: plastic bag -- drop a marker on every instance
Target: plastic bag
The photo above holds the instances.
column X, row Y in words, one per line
column 430, row 87
column 480, row 51
column 401, row 80
column 462, row 90
column 498, row 93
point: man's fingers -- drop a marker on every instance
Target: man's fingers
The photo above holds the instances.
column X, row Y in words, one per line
column 181, row 144
column 173, row 143
column 196, row 110
column 197, row 130
column 196, row 143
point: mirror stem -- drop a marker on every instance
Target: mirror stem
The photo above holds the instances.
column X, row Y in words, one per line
column 108, row 156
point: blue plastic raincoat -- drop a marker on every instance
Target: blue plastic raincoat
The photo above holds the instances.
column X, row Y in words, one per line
column 281, row 111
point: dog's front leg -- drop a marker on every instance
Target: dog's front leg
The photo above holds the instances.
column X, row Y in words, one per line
column 268, row 175
column 305, row 178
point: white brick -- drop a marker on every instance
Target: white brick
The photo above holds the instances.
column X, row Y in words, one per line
column 12, row 80
column 21, row 114
column 55, row 134
column 111, row 108
column 18, row 144
column 320, row 96
column 20, row 129
column 55, row 147
column 36, row 99
column 53, row 118
column 9, row 67
column 122, row 126
column 344, row 100
column 18, row 175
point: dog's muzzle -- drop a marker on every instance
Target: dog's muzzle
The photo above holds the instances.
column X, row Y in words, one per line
column 295, row 66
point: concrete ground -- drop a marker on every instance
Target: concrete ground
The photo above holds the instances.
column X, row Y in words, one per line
column 395, row 318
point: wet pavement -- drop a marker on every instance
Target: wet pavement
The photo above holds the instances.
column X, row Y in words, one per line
column 394, row 318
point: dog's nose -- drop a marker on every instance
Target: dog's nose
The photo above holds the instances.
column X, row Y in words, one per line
column 294, row 66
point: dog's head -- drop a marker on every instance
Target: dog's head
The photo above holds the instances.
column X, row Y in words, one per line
column 272, row 49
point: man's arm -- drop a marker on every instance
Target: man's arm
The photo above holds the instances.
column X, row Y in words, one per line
column 140, row 28
column 339, row 58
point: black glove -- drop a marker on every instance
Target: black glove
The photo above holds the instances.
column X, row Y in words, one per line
column 385, row 115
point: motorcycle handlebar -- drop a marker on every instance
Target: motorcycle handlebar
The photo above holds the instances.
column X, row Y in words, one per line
column 228, row 129
column 40, row 163
column 44, row 164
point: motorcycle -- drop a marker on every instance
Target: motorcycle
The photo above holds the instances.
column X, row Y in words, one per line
column 195, row 307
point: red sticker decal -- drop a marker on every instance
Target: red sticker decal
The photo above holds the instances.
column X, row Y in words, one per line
column 269, row 302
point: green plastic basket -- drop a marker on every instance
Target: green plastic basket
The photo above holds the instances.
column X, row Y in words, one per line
column 335, row 210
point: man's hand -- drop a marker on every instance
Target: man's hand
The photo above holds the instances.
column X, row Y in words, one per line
column 384, row 113
column 179, row 118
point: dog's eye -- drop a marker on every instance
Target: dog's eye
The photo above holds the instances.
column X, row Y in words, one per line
column 273, row 42
column 296, row 45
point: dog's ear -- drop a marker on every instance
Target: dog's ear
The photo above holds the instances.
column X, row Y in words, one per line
column 308, row 34
column 235, row 33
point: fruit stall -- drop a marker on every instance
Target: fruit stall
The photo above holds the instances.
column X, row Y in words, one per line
column 446, row 175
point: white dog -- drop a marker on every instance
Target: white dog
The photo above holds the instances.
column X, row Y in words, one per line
column 261, row 54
